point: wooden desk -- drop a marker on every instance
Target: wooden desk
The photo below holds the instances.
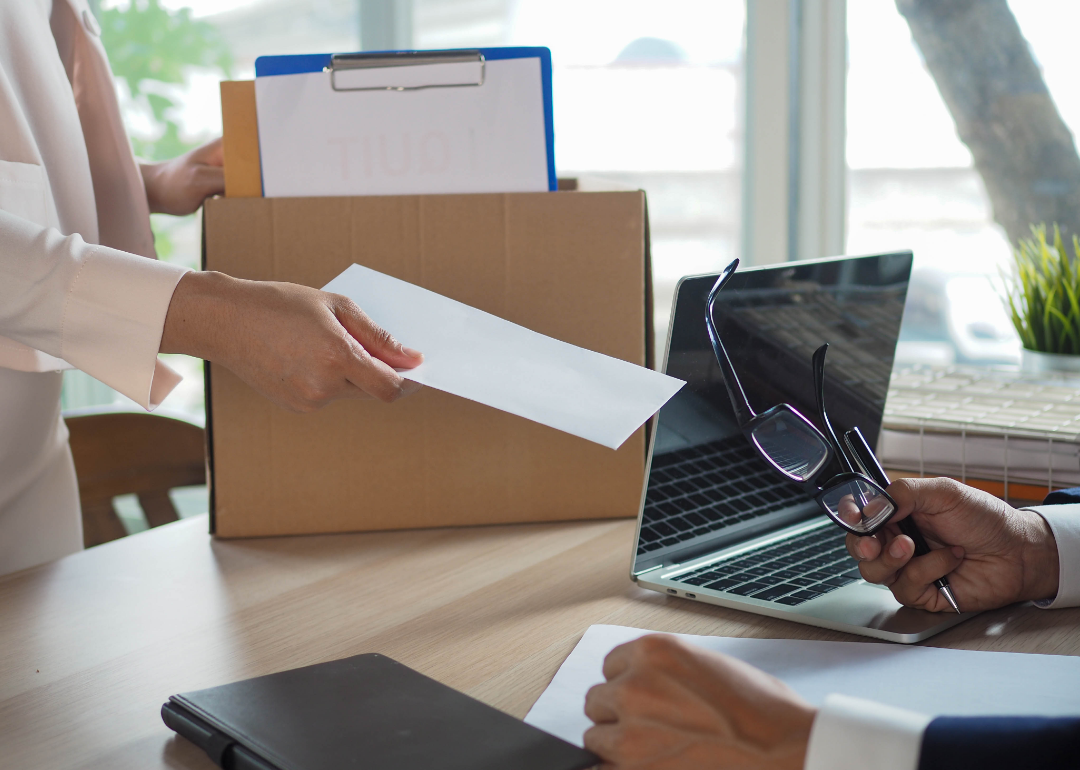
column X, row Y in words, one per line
column 92, row 645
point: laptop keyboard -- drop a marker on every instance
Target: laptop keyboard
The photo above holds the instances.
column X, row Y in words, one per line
column 698, row 490
column 789, row 572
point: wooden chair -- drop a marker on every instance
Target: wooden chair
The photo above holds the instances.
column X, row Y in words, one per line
column 122, row 453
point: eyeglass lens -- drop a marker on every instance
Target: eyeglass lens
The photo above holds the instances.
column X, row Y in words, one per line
column 791, row 445
column 858, row 504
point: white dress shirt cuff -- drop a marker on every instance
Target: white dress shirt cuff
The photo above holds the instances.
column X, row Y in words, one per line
column 1064, row 521
column 114, row 315
column 855, row 734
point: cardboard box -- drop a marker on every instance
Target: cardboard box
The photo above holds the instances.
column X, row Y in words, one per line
column 572, row 265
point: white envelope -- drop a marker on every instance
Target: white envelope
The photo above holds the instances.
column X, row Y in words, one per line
column 486, row 359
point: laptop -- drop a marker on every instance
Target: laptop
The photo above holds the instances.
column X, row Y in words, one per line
column 717, row 524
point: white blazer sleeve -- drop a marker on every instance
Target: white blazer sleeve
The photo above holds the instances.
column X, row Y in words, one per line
column 99, row 309
column 1064, row 521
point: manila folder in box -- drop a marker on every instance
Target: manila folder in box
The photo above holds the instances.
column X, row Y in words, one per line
column 567, row 265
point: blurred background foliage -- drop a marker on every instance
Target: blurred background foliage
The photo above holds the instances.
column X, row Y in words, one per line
column 151, row 50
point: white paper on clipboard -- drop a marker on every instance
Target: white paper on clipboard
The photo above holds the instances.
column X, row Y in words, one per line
column 488, row 137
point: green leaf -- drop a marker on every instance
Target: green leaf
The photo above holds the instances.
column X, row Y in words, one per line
column 1042, row 292
column 148, row 44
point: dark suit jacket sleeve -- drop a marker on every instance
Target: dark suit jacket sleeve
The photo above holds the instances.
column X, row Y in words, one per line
column 990, row 743
column 1063, row 496
column 1005, row 743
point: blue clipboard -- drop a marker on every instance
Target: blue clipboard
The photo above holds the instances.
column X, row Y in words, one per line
column 268, row 66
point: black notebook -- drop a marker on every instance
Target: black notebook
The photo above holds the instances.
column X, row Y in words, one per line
column 367, row 712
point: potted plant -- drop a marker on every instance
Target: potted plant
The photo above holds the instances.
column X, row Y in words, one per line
column 1042, row 296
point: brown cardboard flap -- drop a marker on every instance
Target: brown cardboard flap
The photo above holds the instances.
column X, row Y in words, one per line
column 570, row 265
column 240, row 139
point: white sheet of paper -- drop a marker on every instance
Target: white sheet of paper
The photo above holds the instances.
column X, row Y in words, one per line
column 314, row 140
column 928, row 680
column 484, row 358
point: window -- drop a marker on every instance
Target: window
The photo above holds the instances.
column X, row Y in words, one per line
column 646, row 95
column 913, row 184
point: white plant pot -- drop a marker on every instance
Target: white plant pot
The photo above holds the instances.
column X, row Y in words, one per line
column 1034, row 361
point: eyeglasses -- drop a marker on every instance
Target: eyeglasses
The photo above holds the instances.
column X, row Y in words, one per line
column 796, row 449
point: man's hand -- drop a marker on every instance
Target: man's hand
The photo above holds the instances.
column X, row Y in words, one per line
column 668, row 706
column 179, row 186
column 993, row 553
column 300, row 347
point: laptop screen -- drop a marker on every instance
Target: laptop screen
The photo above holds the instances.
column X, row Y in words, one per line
column 707, row 488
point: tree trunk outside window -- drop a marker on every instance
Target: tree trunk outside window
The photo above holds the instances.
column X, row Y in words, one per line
column 992, row 86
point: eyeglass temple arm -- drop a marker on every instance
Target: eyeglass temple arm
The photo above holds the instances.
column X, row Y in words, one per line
column 819, row 392
column 740, row 404
column 744, row 413
column 860, row 447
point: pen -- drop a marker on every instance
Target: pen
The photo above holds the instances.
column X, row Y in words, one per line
column 861, row 449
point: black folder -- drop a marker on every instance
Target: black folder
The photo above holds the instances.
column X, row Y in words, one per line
column 368, row 711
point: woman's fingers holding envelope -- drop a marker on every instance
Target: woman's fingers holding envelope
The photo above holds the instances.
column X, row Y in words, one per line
column 300, row 347
column 376, row 354
column 376, row 340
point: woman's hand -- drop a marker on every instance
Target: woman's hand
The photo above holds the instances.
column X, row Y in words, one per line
column 300, row 347
column 993, row 553
column 179, row 186
column 667, row 706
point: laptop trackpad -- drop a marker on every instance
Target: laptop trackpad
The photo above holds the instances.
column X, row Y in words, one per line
column 863, row 604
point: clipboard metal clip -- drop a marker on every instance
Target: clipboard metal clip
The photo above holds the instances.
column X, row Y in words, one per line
column 406, row 70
